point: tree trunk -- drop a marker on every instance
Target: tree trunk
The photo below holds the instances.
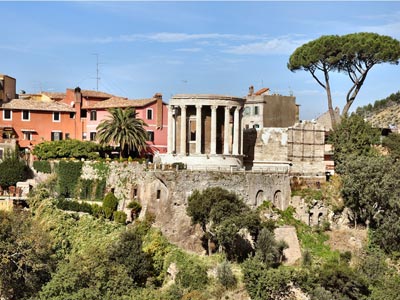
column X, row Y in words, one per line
column 329, row 95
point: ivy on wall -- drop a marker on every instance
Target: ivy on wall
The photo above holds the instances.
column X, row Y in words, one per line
column 92, row 189
column 68, row 175
column 42, row 166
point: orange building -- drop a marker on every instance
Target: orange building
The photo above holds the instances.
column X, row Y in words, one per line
column 33, row 118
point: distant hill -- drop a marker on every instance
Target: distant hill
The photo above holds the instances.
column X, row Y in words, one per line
column 383, row 113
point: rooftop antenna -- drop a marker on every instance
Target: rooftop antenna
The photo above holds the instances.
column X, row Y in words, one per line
column 97, row 71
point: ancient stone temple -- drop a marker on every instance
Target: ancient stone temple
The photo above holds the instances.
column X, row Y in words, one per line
column 205, row 131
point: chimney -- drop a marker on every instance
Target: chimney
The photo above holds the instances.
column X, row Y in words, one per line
column 159, row 113
column 251, row 90
column 78, row 95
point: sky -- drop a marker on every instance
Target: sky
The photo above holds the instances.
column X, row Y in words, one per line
column 138, row 49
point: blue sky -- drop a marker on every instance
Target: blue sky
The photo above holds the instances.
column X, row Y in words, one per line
column 187, row 47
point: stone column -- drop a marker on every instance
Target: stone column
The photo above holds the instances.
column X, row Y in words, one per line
column 170, row 131
column 183, row 129
column 198, row 129
column 213, row 149
column 235, row 150
column 226, row 130
column 174, row 130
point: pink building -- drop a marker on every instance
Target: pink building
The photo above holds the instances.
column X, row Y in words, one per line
column 153, row 111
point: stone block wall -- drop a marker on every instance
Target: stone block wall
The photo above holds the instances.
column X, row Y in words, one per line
column 164, row 194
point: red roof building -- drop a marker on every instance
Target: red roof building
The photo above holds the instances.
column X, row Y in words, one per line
column 33, row 118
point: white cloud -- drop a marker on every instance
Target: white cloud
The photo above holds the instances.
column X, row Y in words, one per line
column 174, row 37
column 189, row 49
column 273, row 46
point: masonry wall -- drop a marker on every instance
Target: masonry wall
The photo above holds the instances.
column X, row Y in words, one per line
column 301, row 145
column 279, row 111
column 164, row 194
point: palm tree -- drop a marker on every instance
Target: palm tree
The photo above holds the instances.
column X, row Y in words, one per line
column 124, row 129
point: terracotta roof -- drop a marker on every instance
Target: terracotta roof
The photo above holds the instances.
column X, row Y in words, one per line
column 262, row 91
column 54, row 95
column 89, row 93
column 93, row 94
column 26, row 104
column 121, row 102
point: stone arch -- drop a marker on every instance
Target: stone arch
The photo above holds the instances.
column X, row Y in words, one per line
column 278, row 199
column 259, row 198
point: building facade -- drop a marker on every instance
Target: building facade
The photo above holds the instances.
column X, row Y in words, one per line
column 265, row 110
column 29, row 119
column 205, row 130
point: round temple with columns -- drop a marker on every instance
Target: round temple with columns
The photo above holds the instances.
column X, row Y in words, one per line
column 205, row 131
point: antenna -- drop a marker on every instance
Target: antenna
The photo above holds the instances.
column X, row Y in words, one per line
column 97, row 71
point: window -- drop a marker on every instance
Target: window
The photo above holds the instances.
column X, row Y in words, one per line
column 7, row 114
column 72, row 115
column 28, row 136
column 246, row 111
column 149, row 114
column 26, row 115
column 93, row 115
column 67, row 136
column 84, row 136
column 56, row 116
column 56, row 136
column 93, row 136
column 256, row 110
column 158, row 194
column 83, row 113
column 150, row 136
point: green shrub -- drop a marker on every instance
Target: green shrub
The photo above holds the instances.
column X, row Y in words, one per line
column 119, row 217
column 225, row 275
column 135, row 207
column 74, row 206
column 192, row 274
column 67, row 149
column 264, row 283
column 110, row 205
column 42, row 166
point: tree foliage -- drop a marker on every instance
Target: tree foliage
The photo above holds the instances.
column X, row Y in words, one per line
column 264, row 283
column 124, row 129
column 128, row 252
column 352, row 138
column 25, row 256
column 392, row 144
column 13, row 170
column 352, row 54
column 67, row 149
column 222, row 215
column 88, row 275
column 268, row 250
column 363, row 188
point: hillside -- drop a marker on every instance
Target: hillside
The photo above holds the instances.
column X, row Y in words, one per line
column 383, row 113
